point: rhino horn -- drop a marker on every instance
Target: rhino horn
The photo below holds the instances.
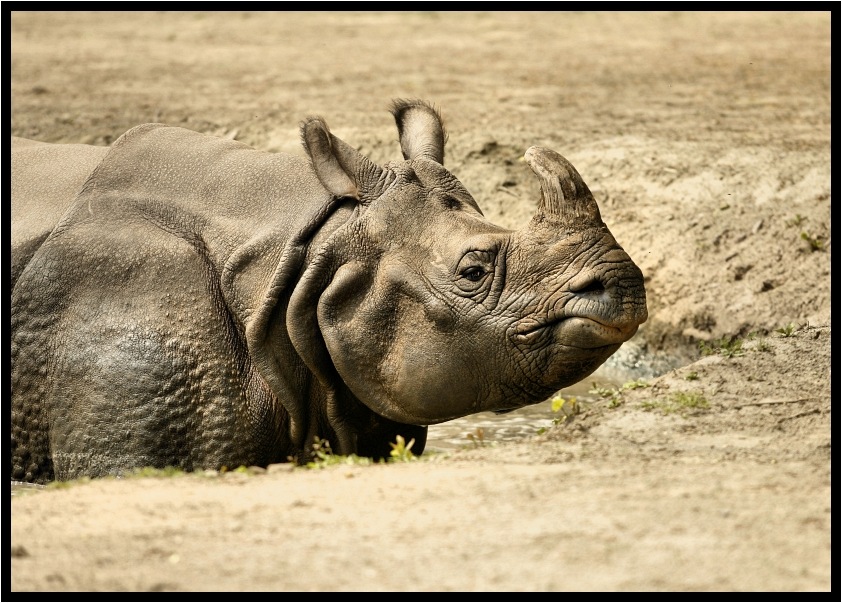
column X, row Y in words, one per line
column 341, row 169
column 565, row 198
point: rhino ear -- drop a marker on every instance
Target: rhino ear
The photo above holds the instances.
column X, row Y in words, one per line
column 420, row 129
column 341, row 169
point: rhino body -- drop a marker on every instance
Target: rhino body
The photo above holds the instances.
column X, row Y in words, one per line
column 184, row 300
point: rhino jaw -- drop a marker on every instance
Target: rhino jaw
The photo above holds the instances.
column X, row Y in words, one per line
column 563, row 352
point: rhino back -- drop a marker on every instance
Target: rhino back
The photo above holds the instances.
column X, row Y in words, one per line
column 45, row 180
column 223, row 190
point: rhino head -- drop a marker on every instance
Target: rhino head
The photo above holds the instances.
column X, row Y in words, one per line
column 426, row 311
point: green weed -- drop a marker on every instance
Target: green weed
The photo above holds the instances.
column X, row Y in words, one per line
column 761, row 346
column 323, row 456
column 61, row 485
column 726, row 346
column 816, row 243
column 153, row 472
column 568, row 408
column 678, row 402
column 636, row 384
column 401, row 450
column 798, row 220
column 602, row 392
column 613, row 394
column 787, row 331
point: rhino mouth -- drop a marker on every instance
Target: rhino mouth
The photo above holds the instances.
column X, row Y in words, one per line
column 582, row 332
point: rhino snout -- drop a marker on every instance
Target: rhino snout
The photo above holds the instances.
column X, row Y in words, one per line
column 593, row 309
column 613, row 298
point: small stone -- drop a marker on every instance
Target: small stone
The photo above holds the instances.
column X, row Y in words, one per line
column 18, row 550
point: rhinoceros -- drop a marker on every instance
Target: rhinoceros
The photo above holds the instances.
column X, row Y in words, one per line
column 185, row 300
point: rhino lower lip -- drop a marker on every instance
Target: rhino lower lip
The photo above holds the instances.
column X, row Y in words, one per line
column 573, row 331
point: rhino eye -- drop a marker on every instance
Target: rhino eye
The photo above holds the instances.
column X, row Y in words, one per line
column 474, row 273
column 474, row 269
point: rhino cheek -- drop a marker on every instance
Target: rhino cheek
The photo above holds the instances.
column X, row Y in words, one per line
column 401, row 382
column 431, row 382
column 391, row 349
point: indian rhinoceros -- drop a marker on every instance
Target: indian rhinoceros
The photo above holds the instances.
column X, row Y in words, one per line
column 185, row 300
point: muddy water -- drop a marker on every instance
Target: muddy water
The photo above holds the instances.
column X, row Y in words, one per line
column 630, row 363
column 487, row 428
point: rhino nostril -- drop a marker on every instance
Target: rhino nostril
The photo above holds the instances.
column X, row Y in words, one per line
column 586, row 284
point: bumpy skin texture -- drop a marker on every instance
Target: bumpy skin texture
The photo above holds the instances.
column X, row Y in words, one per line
column 184, row 300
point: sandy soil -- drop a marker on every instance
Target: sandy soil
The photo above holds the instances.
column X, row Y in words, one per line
column 706, row 140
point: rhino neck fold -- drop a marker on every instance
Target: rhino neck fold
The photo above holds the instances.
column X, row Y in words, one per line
column 264, row 330
column 334, row 410
column 287, row 348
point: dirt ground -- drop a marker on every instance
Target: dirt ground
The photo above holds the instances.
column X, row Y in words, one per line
column 705, row 138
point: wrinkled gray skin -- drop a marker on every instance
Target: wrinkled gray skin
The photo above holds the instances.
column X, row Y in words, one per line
column 185, row 300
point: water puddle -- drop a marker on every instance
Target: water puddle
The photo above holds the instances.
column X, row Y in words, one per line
column 516, row 425
column 628, row 364
column 21, row 488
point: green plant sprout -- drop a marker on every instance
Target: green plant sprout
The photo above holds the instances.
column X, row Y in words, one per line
column 678, row 402
column 324, row 457
column 636, row 384
column 787, row 331
column 602, row 392
column 401, row 450
column 798, row 220
column 568, row 408
column 606, row 392
column 726, row 346
column 816, row 243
